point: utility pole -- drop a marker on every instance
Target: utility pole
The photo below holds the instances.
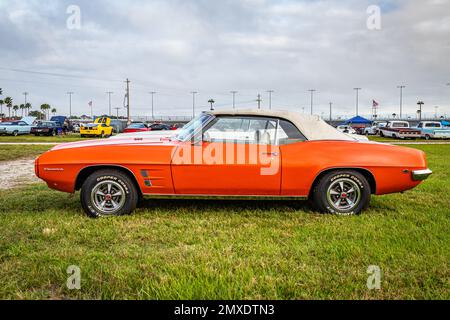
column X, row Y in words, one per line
column 420, row 103
column 436, row 112
column 270, row 98
column 357, row 100
column 401, row 99
column 109, row 93
column 128, row 101
column 312, row 98
column 234, row 98
column 70, row 103
column 153, row 114
column 193, row 103
column 25, row 94
column 331, row 105
column 259, row 101
column 117, row 112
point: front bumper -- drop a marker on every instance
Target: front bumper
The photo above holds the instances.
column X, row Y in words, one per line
column 420, row 175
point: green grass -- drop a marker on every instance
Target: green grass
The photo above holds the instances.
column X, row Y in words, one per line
column 31, row 138
column 178, row 249
column 13, row 152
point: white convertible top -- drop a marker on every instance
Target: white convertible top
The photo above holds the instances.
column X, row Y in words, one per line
column 312, row 127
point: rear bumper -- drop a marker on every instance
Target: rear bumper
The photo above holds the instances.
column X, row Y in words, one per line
column 420, row 175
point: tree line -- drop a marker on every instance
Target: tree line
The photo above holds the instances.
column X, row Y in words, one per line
column 13, row 109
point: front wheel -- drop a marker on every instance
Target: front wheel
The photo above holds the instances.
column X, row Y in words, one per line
column 342, row 192
column 15, row 133
column 108, row 193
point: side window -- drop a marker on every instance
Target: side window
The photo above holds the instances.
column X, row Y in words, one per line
column 288, row 133
column 420, row 125
column 242, row 130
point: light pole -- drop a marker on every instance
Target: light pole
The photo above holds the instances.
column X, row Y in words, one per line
column 109, row 93
column 312, row 98
column 270, row 98
column 193, row 103
column 258, row 99
column 70, row 103
column 25, row 94
column 357, row 100
column 234, row 98
column 331, row 105
column 401, row 98
column 420, row 103
column 436, row 112
column 153, row 114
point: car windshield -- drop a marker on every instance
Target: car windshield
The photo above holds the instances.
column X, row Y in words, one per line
column 194, row 125
column 44, row 124
column 136, row 125
column 400, row 125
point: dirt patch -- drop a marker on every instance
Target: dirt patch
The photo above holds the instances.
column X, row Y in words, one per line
column 17, row 173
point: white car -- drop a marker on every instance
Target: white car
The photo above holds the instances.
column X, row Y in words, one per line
column 374, row 129
column 346, row 129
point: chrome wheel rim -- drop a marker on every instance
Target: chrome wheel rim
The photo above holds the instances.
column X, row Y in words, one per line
column 344, row 194
column 108, row 197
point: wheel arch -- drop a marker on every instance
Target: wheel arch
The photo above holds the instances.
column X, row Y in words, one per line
column 87, row 171
column 365, row 172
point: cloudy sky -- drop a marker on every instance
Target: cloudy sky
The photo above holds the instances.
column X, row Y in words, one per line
column 178, row 46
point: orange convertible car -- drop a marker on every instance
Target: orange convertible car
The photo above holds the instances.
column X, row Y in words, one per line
column 248, row 154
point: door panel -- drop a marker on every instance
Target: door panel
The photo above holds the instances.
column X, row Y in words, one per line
column 227, row 168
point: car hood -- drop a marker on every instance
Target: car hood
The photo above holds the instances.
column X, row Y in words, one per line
column 123, row 141
column 148, row 135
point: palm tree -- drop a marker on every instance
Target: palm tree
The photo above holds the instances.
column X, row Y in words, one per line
column 1, row 108
column 54, row 111
column 211, row 101
column 28, row 107
column 22, row 106
column 45, row 107
column 8, row 102
column 15, row 108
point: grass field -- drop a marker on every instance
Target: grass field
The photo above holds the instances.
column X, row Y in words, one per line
column 31, row 138
column 21, row 151
column 229, row 250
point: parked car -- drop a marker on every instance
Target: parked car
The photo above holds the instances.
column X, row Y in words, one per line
column 16, row 128
column 433, row 130
column 159, row 126
column 287, row 155
column 100, row 128
column 76, row 128
column 346, row 129
column 136, row 127
column 46, row 128
column 399, row 130
column 374, row 128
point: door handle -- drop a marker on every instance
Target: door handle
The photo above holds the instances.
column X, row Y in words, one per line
column 273, row 154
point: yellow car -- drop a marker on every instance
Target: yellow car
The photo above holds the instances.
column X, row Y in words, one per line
column 100, row 128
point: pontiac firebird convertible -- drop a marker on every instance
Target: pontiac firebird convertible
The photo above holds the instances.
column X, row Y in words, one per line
column 233, row 154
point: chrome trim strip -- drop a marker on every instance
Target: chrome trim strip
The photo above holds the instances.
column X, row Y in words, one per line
column 222, row 197
column 420, row 175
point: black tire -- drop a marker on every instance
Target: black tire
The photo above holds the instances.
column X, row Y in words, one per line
column 15, row 133
column 427, row 137
column 381, row 134
column 324, row 201
column 102, row 134
column 120, row 182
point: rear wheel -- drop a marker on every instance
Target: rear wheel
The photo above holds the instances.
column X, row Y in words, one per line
column 102, row 134
column 342, row 192
column 15, row 133
column 427, row 137
column 108, row 193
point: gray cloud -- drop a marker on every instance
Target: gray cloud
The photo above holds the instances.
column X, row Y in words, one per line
column 213, row 47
